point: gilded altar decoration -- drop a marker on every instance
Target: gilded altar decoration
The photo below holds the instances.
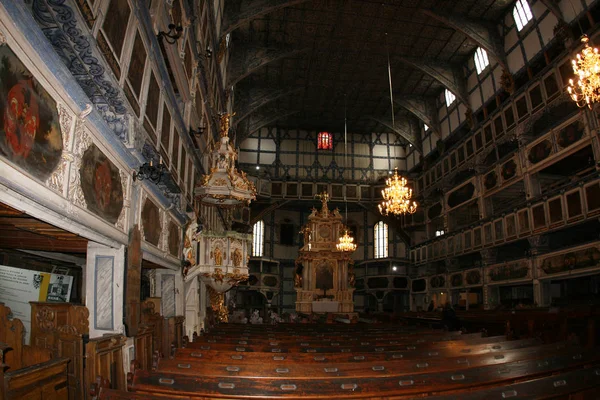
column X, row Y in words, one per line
column 217, row 303
column 237, row 258
column 323, row 277
column 222, row 263
column 225, row 186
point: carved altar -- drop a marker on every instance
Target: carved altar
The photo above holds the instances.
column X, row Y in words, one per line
column 323, row 276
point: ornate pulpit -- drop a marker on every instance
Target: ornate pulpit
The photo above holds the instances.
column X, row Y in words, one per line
column 323, row 281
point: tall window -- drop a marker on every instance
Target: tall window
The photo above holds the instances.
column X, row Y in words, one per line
column 258, row 232
column 381, row 240
column 481, row 60
column 324, row 141
column 450, row 97
column 522, row 13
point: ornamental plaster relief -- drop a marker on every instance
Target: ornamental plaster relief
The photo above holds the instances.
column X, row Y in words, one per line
column 57, row 179
column 75, row 193
column 2, row 38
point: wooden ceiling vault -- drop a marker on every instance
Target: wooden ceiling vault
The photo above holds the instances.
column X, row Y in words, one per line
column 21, row 231
column 299, row 63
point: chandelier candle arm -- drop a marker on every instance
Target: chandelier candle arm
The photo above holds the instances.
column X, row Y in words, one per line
column 586, row 66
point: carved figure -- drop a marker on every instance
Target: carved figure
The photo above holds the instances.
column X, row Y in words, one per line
column 218, row 256
column 225, row 123
column 256, row 318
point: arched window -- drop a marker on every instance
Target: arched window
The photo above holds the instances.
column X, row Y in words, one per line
column 522, row 14
column 381, row 240
column 450, row 97
column 481, row 60
column 258, row 232
column 324, row 141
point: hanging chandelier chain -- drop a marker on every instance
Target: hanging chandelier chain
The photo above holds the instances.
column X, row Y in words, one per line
column 387, row 49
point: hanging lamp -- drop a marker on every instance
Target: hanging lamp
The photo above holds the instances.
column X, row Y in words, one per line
column 396, row 195
column 346, row 242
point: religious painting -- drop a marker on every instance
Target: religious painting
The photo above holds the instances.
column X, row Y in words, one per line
column 509, row 170
column 116, row 24
column 174, row 239
column 456, row 280
column 101, row 184
column 540, row 151
column 490, row 181
column 585, row 258
column 461, row 195
column 516, row 270
column 324, row 277
column 570, row 134
column 30, row 133
column 151, row 222
column 473, row 277
column 437, row 281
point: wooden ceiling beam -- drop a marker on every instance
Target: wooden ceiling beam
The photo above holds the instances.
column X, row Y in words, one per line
column 245, row 61
column 424, row 109
column 449, row 75
column 403, row 129
column 483, row 33
column 249, row 99
column 236, row 13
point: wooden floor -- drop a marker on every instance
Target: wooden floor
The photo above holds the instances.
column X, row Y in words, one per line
column 391, row 361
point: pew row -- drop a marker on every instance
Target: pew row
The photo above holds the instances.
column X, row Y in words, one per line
column 393, row 383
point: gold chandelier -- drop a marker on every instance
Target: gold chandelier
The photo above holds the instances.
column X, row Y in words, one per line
column 396, row 196
column 346, row 242
column 587, row 68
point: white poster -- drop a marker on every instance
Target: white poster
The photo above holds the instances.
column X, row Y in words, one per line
column 20, row 286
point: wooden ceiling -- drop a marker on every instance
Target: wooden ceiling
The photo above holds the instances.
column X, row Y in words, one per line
column 342, row 55
column 21, row 231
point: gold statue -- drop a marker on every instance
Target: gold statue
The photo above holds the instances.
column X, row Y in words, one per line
column 225, row 123
column 324, row 197
column 306, row 231
column 218, row 256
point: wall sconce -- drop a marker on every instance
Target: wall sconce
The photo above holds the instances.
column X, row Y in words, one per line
column 173, row 34
column 197, row 132
column 150, row 171
column 207, row 52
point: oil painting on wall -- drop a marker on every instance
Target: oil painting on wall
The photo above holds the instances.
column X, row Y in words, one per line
column 101, row 184
column 151, row 222
column 30, row 133
column 174, row 239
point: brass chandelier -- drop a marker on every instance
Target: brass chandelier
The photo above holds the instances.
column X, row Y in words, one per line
column 396, row 197
column 587, row 67
column 346, row 242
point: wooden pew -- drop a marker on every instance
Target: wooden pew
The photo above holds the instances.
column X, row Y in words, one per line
column 342, row 347
column 391, row 384
column 27, row 371
column 412, row 351
column 281, row 370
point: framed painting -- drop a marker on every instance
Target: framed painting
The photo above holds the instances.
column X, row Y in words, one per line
column 30, row 135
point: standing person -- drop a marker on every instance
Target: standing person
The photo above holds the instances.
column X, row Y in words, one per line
column 449, row 318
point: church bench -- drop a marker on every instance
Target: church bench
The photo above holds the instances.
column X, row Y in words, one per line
column 431, row 362
column 579, row 384
column 375, row 339
column 342, row 346
column 409, row 352
column 463, row 378
column 47, row 380
column 584, row 382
